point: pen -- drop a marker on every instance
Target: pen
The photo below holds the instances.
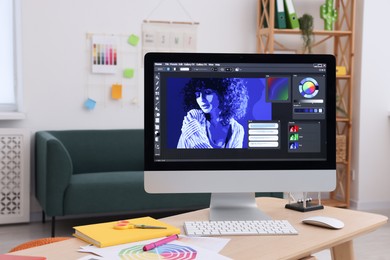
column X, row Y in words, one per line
column 150, row 227
column 160, row 242
column 125, row 224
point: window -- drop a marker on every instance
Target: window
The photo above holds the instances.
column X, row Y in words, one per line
column 9, row 85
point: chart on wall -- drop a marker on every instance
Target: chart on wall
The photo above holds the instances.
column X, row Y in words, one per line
column 112, row 70
column 104, row 54
column 160, row 36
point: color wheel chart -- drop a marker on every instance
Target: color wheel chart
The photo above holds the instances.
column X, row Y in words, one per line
column 308, row 87
column 165, row 252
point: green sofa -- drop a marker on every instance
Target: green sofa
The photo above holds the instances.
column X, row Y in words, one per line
column 99, row 171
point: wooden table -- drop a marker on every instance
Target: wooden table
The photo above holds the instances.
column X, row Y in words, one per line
column 310, row 240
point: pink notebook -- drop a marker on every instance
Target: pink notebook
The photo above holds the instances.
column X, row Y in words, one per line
column 21, row 257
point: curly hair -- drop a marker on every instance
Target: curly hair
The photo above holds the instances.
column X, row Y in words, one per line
column 232, row 94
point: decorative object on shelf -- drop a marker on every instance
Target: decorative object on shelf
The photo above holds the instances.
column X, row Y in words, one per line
column 341, row 148
column 306, row 26
column 341, row 71
column 328, row 14
column 339, row 108
column 292, row 18
column 280, row 15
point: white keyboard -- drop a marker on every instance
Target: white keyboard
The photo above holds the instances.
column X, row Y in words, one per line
column 234, row 228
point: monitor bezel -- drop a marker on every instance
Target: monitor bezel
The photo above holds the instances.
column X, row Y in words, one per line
column 152, row 58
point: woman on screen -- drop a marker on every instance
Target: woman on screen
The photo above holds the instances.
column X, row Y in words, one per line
column 213, row 106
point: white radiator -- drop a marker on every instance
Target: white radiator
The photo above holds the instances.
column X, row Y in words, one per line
column 14, row 175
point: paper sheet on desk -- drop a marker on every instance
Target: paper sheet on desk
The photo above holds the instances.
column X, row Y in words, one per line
column 214, row 244
column 91, row 257
column 177, row 248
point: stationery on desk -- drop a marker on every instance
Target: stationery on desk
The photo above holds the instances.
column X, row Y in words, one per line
column 183, row 248
column 125, row 231
column 21, row 257
column 161, row 242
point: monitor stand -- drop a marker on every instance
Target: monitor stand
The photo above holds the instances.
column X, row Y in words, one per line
column 235, row 206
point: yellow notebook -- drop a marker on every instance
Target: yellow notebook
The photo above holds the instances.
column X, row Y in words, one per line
column 104, row 234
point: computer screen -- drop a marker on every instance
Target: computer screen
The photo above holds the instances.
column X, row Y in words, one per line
column 235, row 124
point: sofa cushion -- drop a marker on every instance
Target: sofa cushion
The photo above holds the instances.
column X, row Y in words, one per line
column 104, row 150
column 121, row 191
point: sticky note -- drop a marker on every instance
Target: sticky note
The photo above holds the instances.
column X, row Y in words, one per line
column 90, row 104
column 128, row 73
column 133, row 40
column 116, row 91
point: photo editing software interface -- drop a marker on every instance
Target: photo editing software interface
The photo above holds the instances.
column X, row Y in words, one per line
column 239, row 111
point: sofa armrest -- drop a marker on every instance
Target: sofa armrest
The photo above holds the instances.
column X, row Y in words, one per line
column 53, row 172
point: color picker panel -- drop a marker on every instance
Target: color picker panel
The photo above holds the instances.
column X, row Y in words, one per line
column 308, row 87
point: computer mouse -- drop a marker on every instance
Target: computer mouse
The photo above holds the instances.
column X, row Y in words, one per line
column 324, row 221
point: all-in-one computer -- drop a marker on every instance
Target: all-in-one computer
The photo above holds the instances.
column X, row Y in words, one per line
column 235, row 124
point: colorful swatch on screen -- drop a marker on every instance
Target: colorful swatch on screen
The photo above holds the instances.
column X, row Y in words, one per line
column 294, row 129
column 294, row 137
column 294, row 146
column 308, row 87
column 277, row 89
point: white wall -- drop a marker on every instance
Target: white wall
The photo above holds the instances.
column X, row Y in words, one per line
column 55, row 57
column 371, row 160
column 54, row 81
column 54, row 33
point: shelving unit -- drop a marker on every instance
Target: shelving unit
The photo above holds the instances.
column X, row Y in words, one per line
column 339, row 42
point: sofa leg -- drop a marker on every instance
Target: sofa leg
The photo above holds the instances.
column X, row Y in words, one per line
column 43, row 217
column 53, row 226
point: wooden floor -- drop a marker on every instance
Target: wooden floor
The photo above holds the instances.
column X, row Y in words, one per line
column 375, row 245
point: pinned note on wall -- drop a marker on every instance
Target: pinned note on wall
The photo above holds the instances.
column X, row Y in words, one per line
column 128, row 73
column 169, row 36
column 112, row 70
column 116, row 91
column 90, row 104
column 133, row 40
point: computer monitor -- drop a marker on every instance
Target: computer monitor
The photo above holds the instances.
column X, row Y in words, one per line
column 235, row 124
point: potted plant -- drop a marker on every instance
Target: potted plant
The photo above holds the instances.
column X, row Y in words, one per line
column 306, row 26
